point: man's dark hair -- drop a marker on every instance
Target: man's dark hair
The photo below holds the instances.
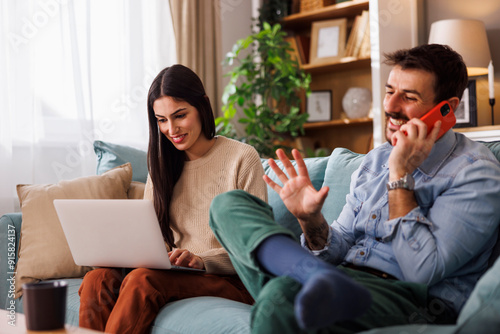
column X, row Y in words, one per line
column 447, row 65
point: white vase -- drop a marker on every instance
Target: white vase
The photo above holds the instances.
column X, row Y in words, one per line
column 356, row 102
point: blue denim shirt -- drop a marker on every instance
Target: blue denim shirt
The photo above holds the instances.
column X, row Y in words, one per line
column 446, row 241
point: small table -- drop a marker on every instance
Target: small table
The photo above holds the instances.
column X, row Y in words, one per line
column 15, row 324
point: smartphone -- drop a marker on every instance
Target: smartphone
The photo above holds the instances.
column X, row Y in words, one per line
column 441, row 112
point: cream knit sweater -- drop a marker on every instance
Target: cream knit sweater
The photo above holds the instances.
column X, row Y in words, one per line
column 228, row 165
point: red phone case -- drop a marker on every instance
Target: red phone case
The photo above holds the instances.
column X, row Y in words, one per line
column 441, row 112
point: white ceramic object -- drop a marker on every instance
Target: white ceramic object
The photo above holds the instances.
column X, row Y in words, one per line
column 356, row 102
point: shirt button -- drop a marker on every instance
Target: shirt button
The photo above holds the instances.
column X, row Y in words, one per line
column 362, row 253
column 374, row 216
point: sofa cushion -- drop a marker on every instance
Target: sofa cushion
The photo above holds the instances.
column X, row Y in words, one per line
column 481, row 312
column 136, row 190
column 208, row 315
column 112, row 155
column 494, row 147
column 341, row 164
column 316, row 168
column 43, row 251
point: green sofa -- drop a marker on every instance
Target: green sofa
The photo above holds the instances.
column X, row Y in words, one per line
column 481, row 313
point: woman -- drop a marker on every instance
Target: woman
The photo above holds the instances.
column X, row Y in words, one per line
column 188, row 166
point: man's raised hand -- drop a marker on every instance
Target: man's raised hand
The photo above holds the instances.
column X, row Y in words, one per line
column 297, row 192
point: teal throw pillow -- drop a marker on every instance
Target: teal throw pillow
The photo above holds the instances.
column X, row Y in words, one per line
column 494, row 146
column 341, row 164
column 481, row 312
column 112, row 155
column 316, row 168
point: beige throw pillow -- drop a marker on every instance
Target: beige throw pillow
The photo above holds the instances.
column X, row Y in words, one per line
column 43, row 250
column 136, row 190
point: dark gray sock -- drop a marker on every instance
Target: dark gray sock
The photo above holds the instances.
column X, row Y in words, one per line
column 327, row 295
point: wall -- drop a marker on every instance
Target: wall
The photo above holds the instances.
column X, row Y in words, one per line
column 236, row 23
column 394, row 24
column 487, row 11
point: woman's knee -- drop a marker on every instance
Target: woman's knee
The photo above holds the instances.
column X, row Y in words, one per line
column 96, row 278
column 140, row 278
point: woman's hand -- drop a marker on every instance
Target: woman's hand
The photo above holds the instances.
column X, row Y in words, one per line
column 184, row 258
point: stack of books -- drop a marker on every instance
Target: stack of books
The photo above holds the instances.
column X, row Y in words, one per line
column 358, row 42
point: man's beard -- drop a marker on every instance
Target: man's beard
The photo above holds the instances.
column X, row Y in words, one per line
column 388, row 116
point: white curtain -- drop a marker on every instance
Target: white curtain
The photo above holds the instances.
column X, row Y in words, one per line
column 71, row 72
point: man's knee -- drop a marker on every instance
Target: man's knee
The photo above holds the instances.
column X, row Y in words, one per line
column 226, row 199
column 223, row 205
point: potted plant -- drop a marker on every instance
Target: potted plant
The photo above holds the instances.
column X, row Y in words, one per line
column 267, row 85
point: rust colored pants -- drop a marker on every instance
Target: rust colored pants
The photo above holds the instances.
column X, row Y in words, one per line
column 127, row 301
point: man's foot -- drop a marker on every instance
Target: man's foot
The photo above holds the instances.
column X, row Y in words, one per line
column 330, row 296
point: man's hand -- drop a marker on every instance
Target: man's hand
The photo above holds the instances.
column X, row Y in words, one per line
column 408, row 153
column 300, row 197
column 184, row 258
column 411, row 146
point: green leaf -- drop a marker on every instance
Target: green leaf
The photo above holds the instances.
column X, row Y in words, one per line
column 249, row 113
column 228, row 91
column 241, row 101
column 276, row 28
column 264, row 82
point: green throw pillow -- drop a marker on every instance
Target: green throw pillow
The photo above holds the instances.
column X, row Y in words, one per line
column 112, row 155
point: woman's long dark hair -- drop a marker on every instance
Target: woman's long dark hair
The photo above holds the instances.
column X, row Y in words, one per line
column 165, row 162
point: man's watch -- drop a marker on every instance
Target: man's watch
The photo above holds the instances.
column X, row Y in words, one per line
column 406, row 182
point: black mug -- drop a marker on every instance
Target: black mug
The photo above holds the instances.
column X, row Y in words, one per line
column 44, row 305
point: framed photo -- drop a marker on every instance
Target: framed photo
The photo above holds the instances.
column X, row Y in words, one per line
column 466, row 112
column 319, row 106
column 328, row 41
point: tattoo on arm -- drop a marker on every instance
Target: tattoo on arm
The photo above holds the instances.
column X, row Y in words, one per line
column 316, row 235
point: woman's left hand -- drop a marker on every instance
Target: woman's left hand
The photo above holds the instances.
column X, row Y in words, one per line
column 184, row 258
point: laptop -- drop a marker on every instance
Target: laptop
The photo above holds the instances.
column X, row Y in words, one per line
column 114, row 233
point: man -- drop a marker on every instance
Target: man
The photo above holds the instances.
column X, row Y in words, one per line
column 415, row 234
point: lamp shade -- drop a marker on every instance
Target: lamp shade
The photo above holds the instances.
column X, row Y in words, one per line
column 468, row 38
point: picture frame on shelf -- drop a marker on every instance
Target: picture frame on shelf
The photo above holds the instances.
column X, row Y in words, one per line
column 466, row 113
column 319, row 106
column 328, row 39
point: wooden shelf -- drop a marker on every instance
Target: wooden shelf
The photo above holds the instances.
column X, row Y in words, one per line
column 481, row 133
column 343, row 9
column 346, row 64
column 353, row 134
column 339, row 122
column 478, row 128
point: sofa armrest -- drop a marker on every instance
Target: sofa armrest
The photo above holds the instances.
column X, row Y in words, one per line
column 10, row 230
